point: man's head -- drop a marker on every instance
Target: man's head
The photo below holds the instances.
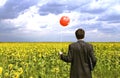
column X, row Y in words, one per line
column 80, row 33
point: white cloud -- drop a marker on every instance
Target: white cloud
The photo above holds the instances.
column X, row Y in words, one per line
column 2, row 2
column 30, row 20
column 96, row 17
column 115, row 8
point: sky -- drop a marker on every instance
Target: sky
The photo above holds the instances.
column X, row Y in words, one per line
column 38, row 20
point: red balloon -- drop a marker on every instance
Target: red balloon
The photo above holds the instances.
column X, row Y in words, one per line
column 64, row 20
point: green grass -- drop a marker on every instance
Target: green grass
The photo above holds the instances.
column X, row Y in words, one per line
column 35, row 60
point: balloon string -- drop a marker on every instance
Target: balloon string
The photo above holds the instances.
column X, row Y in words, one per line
column 61, row 36
column 61, row 39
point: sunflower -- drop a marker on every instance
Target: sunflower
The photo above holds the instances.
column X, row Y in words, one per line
column 1, row 70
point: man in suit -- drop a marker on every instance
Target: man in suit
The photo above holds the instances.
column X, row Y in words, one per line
column 81, row 56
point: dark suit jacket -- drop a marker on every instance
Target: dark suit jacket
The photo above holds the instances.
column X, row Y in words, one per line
column 78, row 53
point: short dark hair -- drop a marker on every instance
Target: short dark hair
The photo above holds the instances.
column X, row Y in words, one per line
column 80, row 33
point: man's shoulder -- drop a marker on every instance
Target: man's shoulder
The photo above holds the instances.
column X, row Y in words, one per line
column 81, row 42
column 73, row 44
column 88, row 44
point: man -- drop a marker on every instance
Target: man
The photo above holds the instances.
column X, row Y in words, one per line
column 81, row 56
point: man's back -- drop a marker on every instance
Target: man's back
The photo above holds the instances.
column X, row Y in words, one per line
column 80, row 64
column 81, row 56
column 78, row 56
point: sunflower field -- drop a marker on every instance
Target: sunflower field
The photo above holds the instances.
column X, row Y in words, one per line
column 41, row 60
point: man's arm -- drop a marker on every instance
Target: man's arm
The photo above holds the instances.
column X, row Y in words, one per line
column 67, row 58
column 92, row 56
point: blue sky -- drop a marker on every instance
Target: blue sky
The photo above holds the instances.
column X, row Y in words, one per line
column 38, row 20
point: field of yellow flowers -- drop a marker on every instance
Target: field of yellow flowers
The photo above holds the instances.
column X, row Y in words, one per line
column 41, row 60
